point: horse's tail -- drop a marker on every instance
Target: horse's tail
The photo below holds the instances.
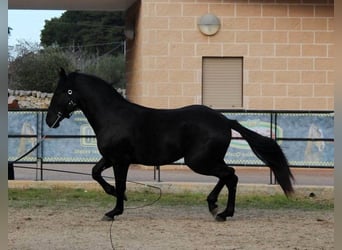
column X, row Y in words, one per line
column 268, row 150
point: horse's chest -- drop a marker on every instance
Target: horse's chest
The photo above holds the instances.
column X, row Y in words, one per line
column 114, row 144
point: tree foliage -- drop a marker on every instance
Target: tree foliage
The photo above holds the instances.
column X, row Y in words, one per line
column 88, row 41
column 92, row 31
column 37, row 70
column 108, row 67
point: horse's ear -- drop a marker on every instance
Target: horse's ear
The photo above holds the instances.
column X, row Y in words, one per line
column 62, row 73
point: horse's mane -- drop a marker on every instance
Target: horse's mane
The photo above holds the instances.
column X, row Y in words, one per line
column 93, row 81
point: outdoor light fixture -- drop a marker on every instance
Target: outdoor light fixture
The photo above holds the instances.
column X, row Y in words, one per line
column 209, row 24
column 129, row 31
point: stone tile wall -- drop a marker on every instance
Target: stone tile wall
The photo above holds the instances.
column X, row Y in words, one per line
column 287, row 46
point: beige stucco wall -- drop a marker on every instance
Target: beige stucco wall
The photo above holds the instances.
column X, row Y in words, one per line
column 287, row 48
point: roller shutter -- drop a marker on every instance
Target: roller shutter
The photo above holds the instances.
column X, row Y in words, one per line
column 222, row 82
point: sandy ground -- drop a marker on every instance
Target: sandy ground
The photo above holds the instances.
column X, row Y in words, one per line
column 253, row 175
column 159, row 227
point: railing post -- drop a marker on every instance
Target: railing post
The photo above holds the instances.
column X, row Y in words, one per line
column 156, row 169
column 39, row 169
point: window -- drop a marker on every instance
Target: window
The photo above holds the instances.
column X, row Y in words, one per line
column 222, row 82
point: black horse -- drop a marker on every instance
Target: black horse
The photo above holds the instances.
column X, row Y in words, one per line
column 128, row 133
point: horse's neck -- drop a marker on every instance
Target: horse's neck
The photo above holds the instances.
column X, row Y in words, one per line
column 93, row 105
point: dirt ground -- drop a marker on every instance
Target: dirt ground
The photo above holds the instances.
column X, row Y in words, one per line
column 159, row 227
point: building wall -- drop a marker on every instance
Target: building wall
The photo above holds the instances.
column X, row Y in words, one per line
column 287, row 48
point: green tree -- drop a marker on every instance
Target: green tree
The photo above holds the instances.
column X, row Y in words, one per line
column 93, row 31
column 88, row 41
column 37, row 70
column 110, row 68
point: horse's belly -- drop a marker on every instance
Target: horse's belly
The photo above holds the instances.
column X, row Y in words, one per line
column 158, row 156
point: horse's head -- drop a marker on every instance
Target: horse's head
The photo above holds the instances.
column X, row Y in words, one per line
column 63, row 101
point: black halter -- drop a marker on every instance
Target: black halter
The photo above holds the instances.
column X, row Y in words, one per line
column 71, row 106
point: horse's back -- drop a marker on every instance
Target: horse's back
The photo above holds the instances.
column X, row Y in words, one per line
column 161, row 136
column 185, row 118
column 165, row 136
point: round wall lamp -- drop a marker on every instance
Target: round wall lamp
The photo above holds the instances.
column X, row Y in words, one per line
column 209, row 24
column 129, row 31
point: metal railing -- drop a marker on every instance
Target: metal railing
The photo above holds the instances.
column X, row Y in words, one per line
column 305, row 136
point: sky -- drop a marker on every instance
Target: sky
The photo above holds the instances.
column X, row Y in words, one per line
column 27, row 24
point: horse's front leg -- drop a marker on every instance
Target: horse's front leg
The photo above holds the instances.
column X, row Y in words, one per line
column 120, row 172
column 102, row 165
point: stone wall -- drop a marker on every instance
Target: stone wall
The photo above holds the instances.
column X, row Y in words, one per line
column 287, row 48
column 31, row 99
column 36, row 99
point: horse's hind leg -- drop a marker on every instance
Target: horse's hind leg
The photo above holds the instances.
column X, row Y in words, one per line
column 231, row 181
column 226, row 177
column 213, row 196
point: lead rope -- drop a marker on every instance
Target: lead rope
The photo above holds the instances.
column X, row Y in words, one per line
column 59, row 116
column 110, row 235
column 142, row 206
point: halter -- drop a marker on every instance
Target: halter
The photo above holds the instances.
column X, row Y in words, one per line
column 70, row 106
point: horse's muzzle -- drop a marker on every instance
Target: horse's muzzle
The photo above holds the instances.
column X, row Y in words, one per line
column 53, row 123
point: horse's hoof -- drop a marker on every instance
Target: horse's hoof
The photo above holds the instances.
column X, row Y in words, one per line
column 220, row 218
column 214, row 211
column 107, row 218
